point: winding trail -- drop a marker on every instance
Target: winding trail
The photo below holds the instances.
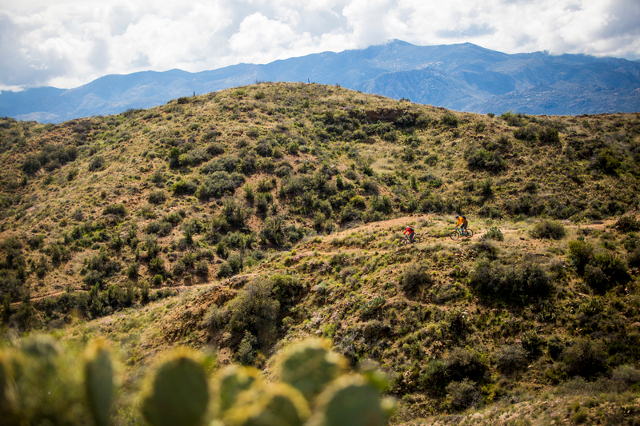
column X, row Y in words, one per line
column 368, row 228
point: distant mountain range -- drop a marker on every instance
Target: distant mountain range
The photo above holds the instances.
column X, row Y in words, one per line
column 462, row 77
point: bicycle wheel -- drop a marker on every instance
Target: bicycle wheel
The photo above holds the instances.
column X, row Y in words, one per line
column 454, row 235
column 416, row 238
column 469, row 233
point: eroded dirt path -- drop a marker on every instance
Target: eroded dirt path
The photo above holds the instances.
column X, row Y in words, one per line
column 325, row 247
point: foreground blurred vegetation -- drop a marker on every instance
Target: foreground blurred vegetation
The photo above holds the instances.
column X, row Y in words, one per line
column 245, row 219
column 41, row 384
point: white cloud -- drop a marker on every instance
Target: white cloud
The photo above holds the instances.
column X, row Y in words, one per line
column 70, row 42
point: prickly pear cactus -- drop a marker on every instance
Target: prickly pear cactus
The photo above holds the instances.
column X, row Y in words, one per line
column 232, row 381
column 350, row 400
column 274, row 405
column 7, row 395
column 98, row 382
column 43, row 348
column 309, row 366
column 178, row 393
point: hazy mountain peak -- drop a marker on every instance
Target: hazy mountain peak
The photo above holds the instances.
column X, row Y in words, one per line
column 468, row 78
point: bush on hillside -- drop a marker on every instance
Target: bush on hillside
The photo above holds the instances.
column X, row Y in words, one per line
column 115, row 209
column 183, row 187
column 613, row 267
column 627, row 224
column 96, row 163
column 463, row 364
column 254, row 310
column 463, row 395
column 584, row 357
column 511, row 358
column 633, row 258
column 596, row 279
column 218, row 184
column 517, row 284
column 548, row 229
column 157, row 197
column 479, row 158
column 493, row 234
column 415, row 278
column 434, row 377
column 580, row 253
column 450, row 120
column 626, row 374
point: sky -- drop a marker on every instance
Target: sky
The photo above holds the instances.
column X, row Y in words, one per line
column 67, row 43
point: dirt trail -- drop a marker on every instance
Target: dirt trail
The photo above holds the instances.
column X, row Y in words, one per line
column 325, row 247
column 60, row 293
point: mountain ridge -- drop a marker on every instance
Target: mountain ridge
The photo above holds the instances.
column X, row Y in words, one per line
column 463, row 77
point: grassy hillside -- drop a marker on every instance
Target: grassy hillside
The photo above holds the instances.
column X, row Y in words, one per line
column 243, row 220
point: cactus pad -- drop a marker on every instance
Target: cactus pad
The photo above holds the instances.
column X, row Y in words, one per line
column 178, row 393
column 99, row 382
column 231, row 382
column 276, row 405
column 310, row 366
column 350, row 400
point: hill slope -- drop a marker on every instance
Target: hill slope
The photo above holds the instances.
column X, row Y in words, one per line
column 463, row 77
column 277, row 211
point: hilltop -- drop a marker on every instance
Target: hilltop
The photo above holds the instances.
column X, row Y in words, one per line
column 463, row 77
column 245, row 219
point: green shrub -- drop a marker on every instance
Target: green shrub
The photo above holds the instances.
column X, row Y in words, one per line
column 225, row 163
column 548, row 136
column 435, row 377
column 115, row 209
column 585, row 357
column 479, row 158
column 463, row 394
column 450, row 120
column 159, row 227
column 490, row 211
column 285, row 288
column 612, row 266
column 548, row 229
column 202, row 268
column 415, row 278
column 626, row 374
column 254, row 309
column 627, row 224
column 633, row 258
column 487, row 247
column 231, row 267
column 247, row 349
column 183, row 187
column 532, row 343
column 580, row 253
column 463, row 363
column 157, row 197
column 132, row 271
column 511, row 358
column 494, row 234
column 96, row 163
column 518, row 283
column 555, row 347
column 218, row 184
column 272, row 232
column 596, row 279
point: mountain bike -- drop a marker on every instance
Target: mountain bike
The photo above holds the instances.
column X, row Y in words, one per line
column 457, row 233
column 416, row 239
